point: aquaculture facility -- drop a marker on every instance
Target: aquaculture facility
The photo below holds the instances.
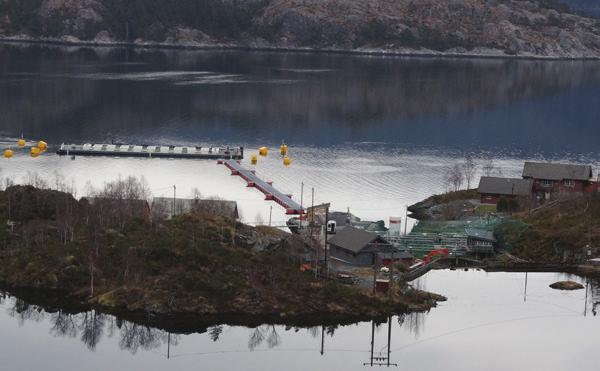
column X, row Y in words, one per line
column 130, row 150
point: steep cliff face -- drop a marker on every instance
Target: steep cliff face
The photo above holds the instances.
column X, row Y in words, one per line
column 496, row 27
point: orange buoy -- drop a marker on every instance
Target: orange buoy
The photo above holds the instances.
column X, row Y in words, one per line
column 287, row 161
column 263, row 151
column 42, row 145
column 8, row 153
column 21, row 143
column 35, row 151
column 254, row 159
column 284, row 149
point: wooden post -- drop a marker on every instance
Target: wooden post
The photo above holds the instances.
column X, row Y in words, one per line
column 374, row 272
column 326, row 233
column 391, row 275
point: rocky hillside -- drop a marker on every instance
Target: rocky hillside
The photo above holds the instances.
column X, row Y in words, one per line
column 542, row 28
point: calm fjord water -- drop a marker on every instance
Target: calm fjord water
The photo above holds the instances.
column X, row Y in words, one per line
column 369, row 133
column 490, row 322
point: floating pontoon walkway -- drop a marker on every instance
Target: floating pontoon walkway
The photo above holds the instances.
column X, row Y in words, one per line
column 271, row 194
column 127, row 150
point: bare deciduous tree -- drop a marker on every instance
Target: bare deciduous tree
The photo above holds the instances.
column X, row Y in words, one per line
column 489, row 168
column 34, row 179
column 454, row 177
column 469, row 168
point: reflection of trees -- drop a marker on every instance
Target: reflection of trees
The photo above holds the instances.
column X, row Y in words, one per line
column 64, row 324
column 92, row 326
column 134, row 337
column 23, row 311
column 414, row 322
column 262, row 333
column 214, row 332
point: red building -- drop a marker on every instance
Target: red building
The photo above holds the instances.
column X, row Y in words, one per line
column 552, row 181
column 491, row 189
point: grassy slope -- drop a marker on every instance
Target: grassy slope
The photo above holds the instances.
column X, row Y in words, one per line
column 567, row 226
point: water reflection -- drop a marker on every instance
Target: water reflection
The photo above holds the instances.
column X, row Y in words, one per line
column 91, row 326
column 479, row 304
column 75, row 94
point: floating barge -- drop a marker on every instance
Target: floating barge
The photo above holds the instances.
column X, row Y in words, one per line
column 271, row 193
column 149, row 151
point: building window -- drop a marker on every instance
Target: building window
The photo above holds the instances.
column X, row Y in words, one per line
column 569, row 183
column 546, row 183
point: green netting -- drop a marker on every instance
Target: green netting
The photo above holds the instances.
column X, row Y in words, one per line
column 429, row 235
column 509, row 233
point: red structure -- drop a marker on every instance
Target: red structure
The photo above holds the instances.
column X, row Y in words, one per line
column 271, row 193
column 551, row 181
column 540, row 182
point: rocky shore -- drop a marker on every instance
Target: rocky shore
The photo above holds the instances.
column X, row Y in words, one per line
column 466, row 28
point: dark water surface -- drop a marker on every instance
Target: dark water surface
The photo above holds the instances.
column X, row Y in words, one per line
column 488, row 323
column 372, row 134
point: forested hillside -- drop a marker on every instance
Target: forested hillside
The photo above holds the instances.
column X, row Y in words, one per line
column 543, row 28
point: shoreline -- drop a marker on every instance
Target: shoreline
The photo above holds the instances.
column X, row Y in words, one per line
column 409, row 53
column 51, row 301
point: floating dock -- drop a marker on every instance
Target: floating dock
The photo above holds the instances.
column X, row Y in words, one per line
column 128, row 150
column 271, row 193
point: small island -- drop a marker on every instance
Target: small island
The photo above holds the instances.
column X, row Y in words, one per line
column 109, row 253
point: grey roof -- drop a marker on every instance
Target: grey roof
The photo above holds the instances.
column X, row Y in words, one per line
column 505, row 186
column 352, row 239
column 548, row 171
column 480, row 234
column 225, row 208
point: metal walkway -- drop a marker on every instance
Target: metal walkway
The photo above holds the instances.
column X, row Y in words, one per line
column 271, row 193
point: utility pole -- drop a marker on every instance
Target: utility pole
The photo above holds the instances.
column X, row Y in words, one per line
column 586, row 298
column 525, row 294
column 405, row 219
column 174, row 198
column 312, row 229
column 390, row 289
column 302, row 195
column 380, row 359
column 374, row 271
column 270, row 214
column 326, row 233
column 322, row 339
column 389, row 340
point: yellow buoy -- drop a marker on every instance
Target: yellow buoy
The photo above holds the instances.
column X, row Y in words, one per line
column 35, row 151
column 21, row 142
column 284, row 149
column 42, row 145
column 254, row 159
column 287, row 161
column 263, row 151
column 8, row 153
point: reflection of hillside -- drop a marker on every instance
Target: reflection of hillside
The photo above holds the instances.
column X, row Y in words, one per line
column 353, row 93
